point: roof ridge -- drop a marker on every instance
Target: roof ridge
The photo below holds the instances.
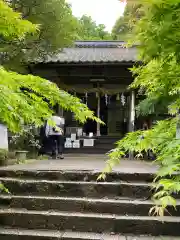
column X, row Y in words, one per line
column 100, row 41
column 99, row 44
column 95, row 52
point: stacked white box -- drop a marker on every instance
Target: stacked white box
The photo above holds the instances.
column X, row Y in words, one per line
column 68, row 143
column 79, row 132
column 73, row 137
column 76, row 144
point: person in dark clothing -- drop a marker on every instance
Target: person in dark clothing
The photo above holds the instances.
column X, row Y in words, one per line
column 149, row 154
column 56, row 143
column 56, row 136
column 43, row 140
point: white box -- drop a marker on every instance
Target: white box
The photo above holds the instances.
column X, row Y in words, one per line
column 73, row 137
column 79, row 132
column 68, row 145
column 88, row 143
column 76, row 145
column 91, row 134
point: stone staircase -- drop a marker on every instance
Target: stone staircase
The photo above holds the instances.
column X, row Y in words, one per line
column 52, row 205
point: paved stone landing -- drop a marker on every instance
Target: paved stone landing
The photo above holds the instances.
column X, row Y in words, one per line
column 85, row 163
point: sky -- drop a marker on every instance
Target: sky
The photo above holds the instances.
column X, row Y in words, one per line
column 102, row 11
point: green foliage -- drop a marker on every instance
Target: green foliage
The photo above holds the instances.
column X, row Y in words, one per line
column 124, row 26
column 19, row 106
column 13, row 32
column 157, row 33
column 11, row 26
column 162, row 40
column 3, row 157
column 89, row 30
column 160, row 83
column 161, row 139
column 57, row 29
column 25, row 140
column 25, row 99
column 3, row 189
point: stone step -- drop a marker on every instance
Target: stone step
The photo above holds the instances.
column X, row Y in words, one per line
column 15, row 234
column 77, row 175
column 105, row 140
column 79, row 189
column 25, row 234
column 105, row 145
column 84, row 205
column 90, row 150
column 98, row 223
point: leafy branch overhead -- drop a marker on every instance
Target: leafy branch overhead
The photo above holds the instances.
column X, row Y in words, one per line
column 11, row 25
column 25, row 99
column 157, row 33
column 57, row 27
column 18, row 105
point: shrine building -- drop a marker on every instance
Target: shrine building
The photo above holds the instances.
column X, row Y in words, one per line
column 98, row 72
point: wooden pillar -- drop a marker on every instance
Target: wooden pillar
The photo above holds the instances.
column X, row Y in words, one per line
column 60, row 111
column 98, row 114
column 132, row 112
column 132, row 118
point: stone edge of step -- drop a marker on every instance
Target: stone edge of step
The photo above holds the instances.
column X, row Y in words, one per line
column 8, row 179
column 74, row 235
column 85, row 199
column 27, row 232
column 74, row 171
column 90, row 175
column 81, row 199
column 13, row 211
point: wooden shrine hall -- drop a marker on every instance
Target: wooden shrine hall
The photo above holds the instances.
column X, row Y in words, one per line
column 98, row 73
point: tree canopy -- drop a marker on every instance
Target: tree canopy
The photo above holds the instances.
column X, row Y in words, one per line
column 25, row 99
column 159, row 78
column 123, row 28
column 57, row 28
column 90, row 30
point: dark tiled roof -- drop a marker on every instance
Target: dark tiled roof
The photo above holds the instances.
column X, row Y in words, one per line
column 95, row 51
